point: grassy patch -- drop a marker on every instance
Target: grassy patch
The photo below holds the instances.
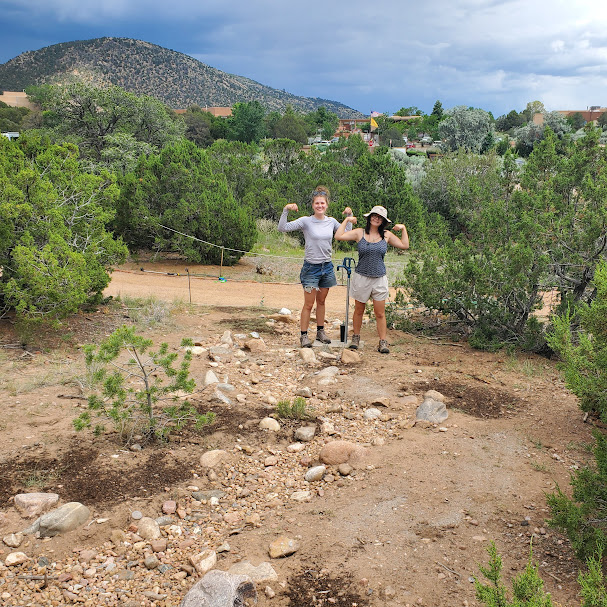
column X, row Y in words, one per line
column 150, row 311
column 298, row 409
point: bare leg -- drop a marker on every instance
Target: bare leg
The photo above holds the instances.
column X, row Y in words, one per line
column 357, row 318
column 321, row 295
column 309, row 299
column 379, row 308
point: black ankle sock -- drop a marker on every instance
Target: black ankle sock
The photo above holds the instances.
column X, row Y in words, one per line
column 304, row 332
column 320, row 328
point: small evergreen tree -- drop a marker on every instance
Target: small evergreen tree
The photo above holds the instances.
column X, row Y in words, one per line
column 132, row 383
column 527, row 587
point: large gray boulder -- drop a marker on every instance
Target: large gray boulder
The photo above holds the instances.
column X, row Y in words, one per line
column 432, row 410
column 220, row 589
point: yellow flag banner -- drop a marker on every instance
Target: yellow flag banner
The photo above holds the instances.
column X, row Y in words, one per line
column 374, row 123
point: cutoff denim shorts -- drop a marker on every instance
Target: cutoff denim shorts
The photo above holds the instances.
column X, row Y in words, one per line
column 317, row 276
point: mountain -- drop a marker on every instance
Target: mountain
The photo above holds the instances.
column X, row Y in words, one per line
column 147, row 69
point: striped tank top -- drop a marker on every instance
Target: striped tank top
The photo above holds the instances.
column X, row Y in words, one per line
column 371, row 258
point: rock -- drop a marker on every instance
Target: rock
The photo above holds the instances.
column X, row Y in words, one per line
column 220, row 353
column 283, row 546
column 372, row 413
column 305, row 392
column 255, row 345
column 34, row 504
column 169, row 507
column 204, row 561
column 16, row 558
column 295, row 447
column 148, row 529
column 307, row 355
column 285, row 311
column 87, row 555
column 136, row 515
column 271, row 460
column 381, row 401
column 226, row 338
column 301, row 496
column 434, row 395
column 210, row 378
column 205, row 496
column 264, row 572
column 63, row 519
column 212, row 459
column 159, row 545
column 220, row 397
column 327, row 427
column 269, row 423
column 315, row 474
column 345, row 469
column 305, row 434
column 341, row 452
column 432, row 411
column 13, row 540
column 151, row 561
column 195, row 350
column 220, row 589
column 328, row 372
column 349, row 357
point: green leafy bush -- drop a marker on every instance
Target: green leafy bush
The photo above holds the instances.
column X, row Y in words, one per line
column 133, row 384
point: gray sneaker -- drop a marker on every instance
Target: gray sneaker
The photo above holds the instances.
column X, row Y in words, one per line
column 354, row 342
column 322, row 337
column 383, row 347
column 305, row 342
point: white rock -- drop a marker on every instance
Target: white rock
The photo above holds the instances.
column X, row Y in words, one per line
column 269, row 423
column 204, row 561
column 210, row 378
column 16, row 558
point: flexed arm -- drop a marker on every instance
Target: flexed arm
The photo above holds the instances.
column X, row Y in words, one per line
column 290, row 226
column 403, row 241
column 343, row 233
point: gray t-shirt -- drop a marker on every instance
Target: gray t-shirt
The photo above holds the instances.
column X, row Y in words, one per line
column 318, row 234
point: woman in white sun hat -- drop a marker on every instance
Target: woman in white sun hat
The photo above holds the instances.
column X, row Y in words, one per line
column 369, row 279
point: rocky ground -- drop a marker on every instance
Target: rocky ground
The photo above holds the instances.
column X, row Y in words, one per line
column 357, row 505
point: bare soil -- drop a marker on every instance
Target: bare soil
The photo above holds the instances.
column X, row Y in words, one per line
column 409, row 528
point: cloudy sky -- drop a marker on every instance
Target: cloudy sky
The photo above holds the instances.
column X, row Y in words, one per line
column 373, row 56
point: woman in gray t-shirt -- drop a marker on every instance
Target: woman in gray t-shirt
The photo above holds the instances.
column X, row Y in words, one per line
column 369, row 279
column 317, row 274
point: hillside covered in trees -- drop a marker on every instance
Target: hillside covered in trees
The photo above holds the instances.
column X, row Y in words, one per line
column 142, row 68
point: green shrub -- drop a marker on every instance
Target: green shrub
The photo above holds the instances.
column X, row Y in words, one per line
column 583, row 515
column 527, row 587
column 297, row 410
column 584, row 353
column 133, row 384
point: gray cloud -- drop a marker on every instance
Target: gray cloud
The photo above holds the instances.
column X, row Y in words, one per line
column 495, row 54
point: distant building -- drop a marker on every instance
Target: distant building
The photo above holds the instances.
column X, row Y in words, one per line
column 11, row 135
column 592, row 114
column 349, row 126
column 16, row 99
column 218, row 112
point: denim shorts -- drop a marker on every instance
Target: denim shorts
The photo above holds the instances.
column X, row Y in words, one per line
column 317, row 276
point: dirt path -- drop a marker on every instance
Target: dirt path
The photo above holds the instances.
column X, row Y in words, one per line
column 408, row 528
column 208, row 291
